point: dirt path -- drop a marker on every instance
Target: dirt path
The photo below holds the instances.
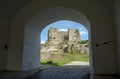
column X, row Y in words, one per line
column 71, row 64
column 77, row 63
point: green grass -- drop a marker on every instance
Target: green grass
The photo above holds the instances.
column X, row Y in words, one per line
column 61, row 59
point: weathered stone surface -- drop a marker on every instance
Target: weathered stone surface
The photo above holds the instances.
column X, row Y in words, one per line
column 55, row 72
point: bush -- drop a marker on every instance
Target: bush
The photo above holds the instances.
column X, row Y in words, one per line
column 49, row 62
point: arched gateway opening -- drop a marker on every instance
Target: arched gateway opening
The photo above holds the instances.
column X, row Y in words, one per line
column 30, row 56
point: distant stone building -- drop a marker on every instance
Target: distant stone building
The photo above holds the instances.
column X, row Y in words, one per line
column 63, row 42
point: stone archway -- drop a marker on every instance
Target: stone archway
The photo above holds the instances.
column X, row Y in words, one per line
column 35, row 26
column 19, row 59
column 28, row 41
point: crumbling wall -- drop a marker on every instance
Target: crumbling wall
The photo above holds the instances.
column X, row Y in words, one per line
column 63, row 42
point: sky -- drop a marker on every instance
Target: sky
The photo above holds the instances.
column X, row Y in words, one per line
column 64, row 25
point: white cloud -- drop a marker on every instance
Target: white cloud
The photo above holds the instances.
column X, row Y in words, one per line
column 63, row 29
column 83, row 33
column 42, row 42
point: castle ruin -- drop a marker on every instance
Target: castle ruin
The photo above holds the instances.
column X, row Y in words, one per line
column 63, row 41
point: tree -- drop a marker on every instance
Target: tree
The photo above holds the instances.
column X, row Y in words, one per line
column 84, row 42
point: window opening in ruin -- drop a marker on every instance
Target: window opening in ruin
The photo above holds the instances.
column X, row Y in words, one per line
column 64, row 43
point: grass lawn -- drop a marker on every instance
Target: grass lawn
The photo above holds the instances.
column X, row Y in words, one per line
column 61, row 59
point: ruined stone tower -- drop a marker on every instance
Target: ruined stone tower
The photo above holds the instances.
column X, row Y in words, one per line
column 74, row 35
column 55, row 36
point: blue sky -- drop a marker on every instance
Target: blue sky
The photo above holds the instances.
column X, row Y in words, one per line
column 64, row 25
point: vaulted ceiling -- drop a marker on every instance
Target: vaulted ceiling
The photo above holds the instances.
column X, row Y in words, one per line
column 9, row 7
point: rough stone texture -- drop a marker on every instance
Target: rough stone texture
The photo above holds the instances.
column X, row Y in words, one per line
column 62, row 73
column 63, row 42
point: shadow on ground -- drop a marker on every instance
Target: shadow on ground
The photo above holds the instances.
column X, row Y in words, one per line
column 65, row 72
